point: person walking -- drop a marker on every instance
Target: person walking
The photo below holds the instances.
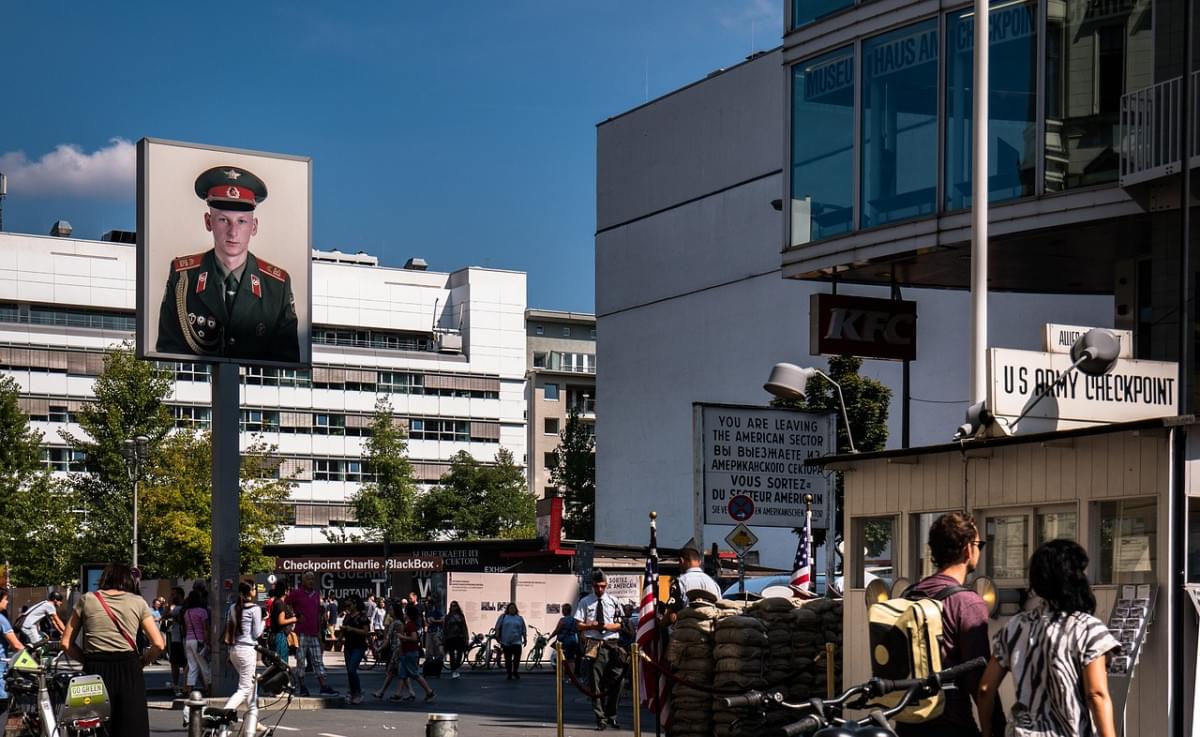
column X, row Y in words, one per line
column 106, row 622
column 248, row 627
column 955, row 547
column 306, row 603
column 195, row 645
column 390, row 642
column 456, row 637
column 356, row 631
column 410, row 657
column 176, row 654
column 510, row 631
column 567, row 634
column 9, row 645
column 281, row 620
column 1057, row 652
column 598, row 615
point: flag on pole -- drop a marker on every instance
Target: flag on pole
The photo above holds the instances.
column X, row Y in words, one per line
column 802, row 567
column 654, row 684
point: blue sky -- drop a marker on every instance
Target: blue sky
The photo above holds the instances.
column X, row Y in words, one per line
column 462, row 132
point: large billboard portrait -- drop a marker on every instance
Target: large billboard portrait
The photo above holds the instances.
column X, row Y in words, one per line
column 224, row 255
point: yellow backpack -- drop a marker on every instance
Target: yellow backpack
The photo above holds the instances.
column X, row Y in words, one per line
column 906, row 642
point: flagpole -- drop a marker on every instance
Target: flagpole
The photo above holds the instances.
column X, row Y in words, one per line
column 660, row 650
column 808, row 502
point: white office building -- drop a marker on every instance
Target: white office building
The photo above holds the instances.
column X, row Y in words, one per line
column 447, row 349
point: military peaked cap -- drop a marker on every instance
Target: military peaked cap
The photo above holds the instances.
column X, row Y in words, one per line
column 230, row 188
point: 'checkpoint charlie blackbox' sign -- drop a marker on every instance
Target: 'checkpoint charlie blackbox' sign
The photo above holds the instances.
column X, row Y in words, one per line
column 753, row 465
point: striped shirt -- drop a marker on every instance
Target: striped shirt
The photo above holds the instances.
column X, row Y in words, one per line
column 1046, row 653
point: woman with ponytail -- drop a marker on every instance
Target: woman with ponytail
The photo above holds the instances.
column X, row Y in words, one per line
column 247, row 621
column 1057, row 652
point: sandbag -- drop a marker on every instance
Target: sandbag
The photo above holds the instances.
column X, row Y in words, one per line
column 741, row 636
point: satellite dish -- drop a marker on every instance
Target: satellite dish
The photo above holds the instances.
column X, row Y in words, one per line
column 986, row 588
column 899, row 587
column 877, row 592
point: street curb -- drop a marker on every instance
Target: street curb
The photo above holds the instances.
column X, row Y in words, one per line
column 299, row 703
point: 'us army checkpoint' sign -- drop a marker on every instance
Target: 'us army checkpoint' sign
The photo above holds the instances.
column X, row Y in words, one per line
column 753, row 466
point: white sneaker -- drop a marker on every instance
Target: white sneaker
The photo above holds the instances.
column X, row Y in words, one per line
column 454, row 674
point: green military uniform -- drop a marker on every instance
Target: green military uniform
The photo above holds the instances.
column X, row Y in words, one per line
column 252, row 315
column 259, row 324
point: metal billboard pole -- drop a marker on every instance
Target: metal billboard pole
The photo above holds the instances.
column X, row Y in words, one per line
column 226, row 516
column 979, row 210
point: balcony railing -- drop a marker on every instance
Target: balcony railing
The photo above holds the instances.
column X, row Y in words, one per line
column 1150, row 131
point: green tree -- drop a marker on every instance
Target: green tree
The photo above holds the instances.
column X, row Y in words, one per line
column 176, row 507
column 867, row 403
column 38, row 529
column 130, row 401
column 384, row 507
column 474, row 501
column 574, row 472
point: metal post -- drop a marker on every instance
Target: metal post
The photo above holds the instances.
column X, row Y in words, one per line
column 226, row 517
column 979, row 210
column 830, row 672
column 742, row 572
column 195, row 713
column 137, row 473
column 637, row 691
column 558, row 689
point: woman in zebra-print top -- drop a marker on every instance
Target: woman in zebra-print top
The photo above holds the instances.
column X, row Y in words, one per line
column 1057, row 653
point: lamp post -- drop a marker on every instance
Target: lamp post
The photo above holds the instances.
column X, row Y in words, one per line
column 789, row 381
column 136, row 451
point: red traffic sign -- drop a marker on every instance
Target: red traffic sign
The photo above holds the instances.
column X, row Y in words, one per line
column 741, row 508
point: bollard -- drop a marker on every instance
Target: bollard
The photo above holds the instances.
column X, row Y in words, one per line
column 195, row 708
column 442, row 725
column 558, row 689
column 830, row 672
column 637, row 691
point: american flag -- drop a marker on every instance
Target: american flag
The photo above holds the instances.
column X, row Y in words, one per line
column 802, row 567
column 655, row 686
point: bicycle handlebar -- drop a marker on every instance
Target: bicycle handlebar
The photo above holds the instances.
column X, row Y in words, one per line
column 880, row 686
column 750, row 698
column 808, row 724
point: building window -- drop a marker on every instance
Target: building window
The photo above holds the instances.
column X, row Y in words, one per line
column 375, row 339
column 592, row 333
column 200, row 372
column 192, row 418
column 1128, row 541
column 1056, row 524
column 551, row 426
column 550, row 392
column 539, row 360
column 924, row 560
column 566, row 331
column 1007, row 537
column 257, row 420
column 436, row 429
column 1095, row 52
column 823, row 147
column 63, row 459
column 899, row 124
column 549, row 460
column 539, row 329
column 875, row 551
column 806, row 11
column 1012, row 104
column 58, row 414
column 329, row 424
column 550, row 492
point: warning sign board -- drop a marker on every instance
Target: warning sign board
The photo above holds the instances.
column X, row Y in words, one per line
column 754, row 465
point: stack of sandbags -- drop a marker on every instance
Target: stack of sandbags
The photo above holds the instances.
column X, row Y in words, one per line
column 741, row 650
column 780, row 663
column 690, row 656
column 830, row 613
column 808, row 642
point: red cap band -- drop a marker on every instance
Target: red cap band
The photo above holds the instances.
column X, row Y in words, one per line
column 229, row 192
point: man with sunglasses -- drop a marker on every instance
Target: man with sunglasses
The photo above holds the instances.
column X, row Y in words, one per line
column 955, row 547
column 599, row 616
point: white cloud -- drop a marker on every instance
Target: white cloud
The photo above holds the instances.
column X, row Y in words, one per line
column 766, row 16
column 107, row 173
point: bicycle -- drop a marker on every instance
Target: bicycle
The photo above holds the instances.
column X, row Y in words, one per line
column 276, row 679
column 539, row 649
column 54, row 701
column 485, row 654
column 825, row 721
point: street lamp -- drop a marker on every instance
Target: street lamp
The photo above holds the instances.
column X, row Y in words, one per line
column 789, row 381
column 136, row 451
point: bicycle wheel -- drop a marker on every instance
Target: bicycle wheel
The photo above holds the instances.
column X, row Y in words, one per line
column 535, row 659
column 478, row 660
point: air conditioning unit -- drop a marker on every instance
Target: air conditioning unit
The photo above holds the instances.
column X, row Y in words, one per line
column 450, row 343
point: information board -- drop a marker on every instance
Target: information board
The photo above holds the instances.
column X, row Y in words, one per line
column 754, row 465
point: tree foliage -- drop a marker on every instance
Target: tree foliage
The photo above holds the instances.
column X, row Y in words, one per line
column 39, row 525
column 130, row 400
column 475, row 501
column 574, row 472
column 867, row 402
column 385, row 507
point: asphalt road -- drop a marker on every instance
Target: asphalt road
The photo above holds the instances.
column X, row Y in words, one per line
column 486, row 703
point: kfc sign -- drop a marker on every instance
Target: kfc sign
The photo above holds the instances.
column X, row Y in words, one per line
column 863, row 326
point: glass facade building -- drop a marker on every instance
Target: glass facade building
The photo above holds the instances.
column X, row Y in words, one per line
column 881, row 127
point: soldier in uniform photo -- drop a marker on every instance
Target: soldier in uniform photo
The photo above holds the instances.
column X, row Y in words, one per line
column 227, row 302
